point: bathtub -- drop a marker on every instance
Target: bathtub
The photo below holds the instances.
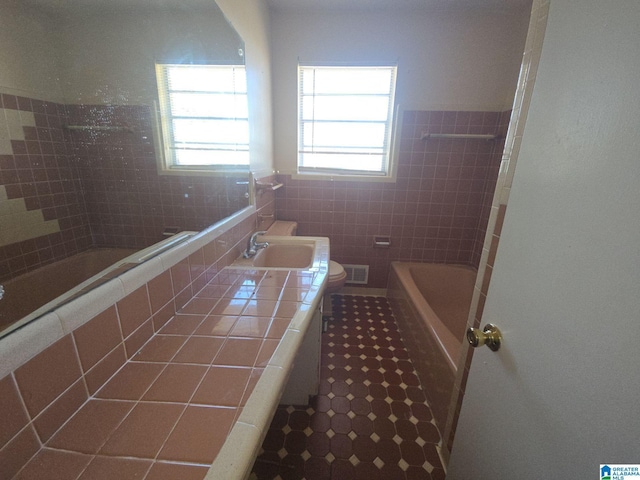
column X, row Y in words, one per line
column 30, row 291
column 431, row 305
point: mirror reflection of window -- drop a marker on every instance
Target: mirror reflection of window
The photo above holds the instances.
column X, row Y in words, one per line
column 204, row 117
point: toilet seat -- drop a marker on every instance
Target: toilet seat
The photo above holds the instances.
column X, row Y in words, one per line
column 336, row 270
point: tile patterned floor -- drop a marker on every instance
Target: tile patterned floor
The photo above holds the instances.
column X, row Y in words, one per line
column 370, row 420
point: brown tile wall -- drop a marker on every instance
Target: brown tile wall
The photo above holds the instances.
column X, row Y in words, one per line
column 39, row 396
column 436, row 211
column 102, row 186
column 490, row 185
column 493, row 249
column 129, row 204
column 265, row 202
column 42, row 171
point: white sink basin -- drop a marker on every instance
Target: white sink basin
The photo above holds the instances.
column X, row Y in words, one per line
column 282, row 252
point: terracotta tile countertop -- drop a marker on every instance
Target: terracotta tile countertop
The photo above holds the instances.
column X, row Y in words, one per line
column 197, row 399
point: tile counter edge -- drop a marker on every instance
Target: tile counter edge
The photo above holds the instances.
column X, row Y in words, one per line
column 240, row 449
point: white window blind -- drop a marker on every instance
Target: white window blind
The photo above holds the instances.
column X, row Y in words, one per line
column 204, row 115
column 345, row 119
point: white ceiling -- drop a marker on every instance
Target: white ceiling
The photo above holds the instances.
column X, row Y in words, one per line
column 62, row 5
column 487, row 5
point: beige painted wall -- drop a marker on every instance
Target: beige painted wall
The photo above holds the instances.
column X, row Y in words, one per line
column 109, row 56
column 29, row 63
column 446, row 60
column 95, row 56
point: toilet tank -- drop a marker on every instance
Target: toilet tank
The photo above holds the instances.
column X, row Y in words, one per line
column 283, row 228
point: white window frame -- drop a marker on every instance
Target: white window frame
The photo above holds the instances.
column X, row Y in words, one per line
column 391, row 126
column 166, row 146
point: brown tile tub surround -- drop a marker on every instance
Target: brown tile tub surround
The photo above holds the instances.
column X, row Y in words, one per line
column 28, row 292
column 435, row 212
column 42, row 171
column 103, row 187
column 81, row 408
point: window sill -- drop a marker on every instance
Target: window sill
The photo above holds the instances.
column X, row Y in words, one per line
column 343, row 178
column 211, row 172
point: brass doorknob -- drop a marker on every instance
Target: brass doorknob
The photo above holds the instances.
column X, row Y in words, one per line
column 489, row 336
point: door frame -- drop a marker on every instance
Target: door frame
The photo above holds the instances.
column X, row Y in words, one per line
column 520, row 109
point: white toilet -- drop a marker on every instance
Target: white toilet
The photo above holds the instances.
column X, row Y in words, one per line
column 337, row 277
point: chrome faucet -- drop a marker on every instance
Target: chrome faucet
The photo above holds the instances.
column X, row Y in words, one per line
column 253, row 245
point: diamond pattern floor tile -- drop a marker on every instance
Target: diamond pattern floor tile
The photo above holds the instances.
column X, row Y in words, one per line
column 370, row 420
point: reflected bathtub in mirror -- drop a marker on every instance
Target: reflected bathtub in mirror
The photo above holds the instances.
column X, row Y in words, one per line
column 37, row 292
column 28, row 292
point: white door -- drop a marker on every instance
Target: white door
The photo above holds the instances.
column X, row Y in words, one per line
column 562, row 395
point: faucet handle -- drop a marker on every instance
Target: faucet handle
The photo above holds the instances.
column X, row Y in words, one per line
column 254, row 240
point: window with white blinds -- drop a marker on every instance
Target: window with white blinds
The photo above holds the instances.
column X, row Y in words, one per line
column 345, row 119
column 204, row 116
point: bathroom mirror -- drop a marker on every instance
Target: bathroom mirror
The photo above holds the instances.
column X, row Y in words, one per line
column 79, row 134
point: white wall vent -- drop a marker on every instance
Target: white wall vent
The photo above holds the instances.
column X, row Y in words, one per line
column 358, row 274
